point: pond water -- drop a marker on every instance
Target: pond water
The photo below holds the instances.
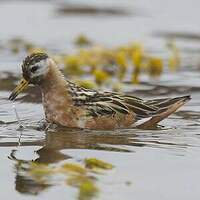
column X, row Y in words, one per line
column 148, row 164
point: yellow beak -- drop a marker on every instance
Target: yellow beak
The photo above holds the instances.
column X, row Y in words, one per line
column 20, row 87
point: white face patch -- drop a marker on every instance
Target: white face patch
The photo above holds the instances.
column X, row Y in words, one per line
column 42, row 68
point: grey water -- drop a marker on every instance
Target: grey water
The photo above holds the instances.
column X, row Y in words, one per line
column 148, row 164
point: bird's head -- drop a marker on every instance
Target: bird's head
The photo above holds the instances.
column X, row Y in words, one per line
column 34, row 68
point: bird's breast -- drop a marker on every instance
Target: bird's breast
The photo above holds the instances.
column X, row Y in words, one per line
column 58, row 109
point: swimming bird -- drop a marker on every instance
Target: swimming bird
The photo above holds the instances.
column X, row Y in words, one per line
column 69, row 105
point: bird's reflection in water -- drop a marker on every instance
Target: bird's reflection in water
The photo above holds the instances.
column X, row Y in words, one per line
column 23, row 181
column 63, row 139
column 50, row 153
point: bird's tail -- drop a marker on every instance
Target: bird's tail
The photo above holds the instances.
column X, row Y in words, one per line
column 165, row 108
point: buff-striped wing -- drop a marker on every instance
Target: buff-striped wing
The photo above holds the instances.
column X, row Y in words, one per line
column 108, row 103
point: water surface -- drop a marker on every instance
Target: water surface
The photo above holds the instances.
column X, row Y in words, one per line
column 148, row 164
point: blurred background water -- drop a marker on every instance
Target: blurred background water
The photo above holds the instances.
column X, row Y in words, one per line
column 154, row 164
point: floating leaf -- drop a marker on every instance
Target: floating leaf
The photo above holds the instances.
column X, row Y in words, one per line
column 86, row 84
column 73, row 168
column 72, row 63
column 121, row 61
column 82, row 40
column 87, row 190
column 85, row 184
column 40, row 171
column 135, row 75
column 155, row 66
column 77, row 180
column 137, row 57
column 100, row 76
column 96, row 163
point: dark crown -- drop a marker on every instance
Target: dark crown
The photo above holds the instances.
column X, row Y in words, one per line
column 33, row 58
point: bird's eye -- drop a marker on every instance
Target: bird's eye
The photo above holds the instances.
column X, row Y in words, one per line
column 34, row 68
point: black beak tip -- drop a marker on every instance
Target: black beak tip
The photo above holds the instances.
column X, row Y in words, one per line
column 12, row 97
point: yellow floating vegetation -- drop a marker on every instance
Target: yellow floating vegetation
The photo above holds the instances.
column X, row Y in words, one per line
column 174, row 61
column 78, row 180
column 40, row 171
column 100, row 76
column 137, row 55
column 88, row 190
column 108, row 63
column 80, row 175
column 18, row 44
column 82, row 40
column 122, row 62
column 102, row 65
column 96, row 163
column 155, row 66
column 73, row 168
column 135, row 75
column 86, row 185
column 73, row 63
column 89, row 84
column 137, row 58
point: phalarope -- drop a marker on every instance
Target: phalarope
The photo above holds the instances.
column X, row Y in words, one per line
column 69, row 105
